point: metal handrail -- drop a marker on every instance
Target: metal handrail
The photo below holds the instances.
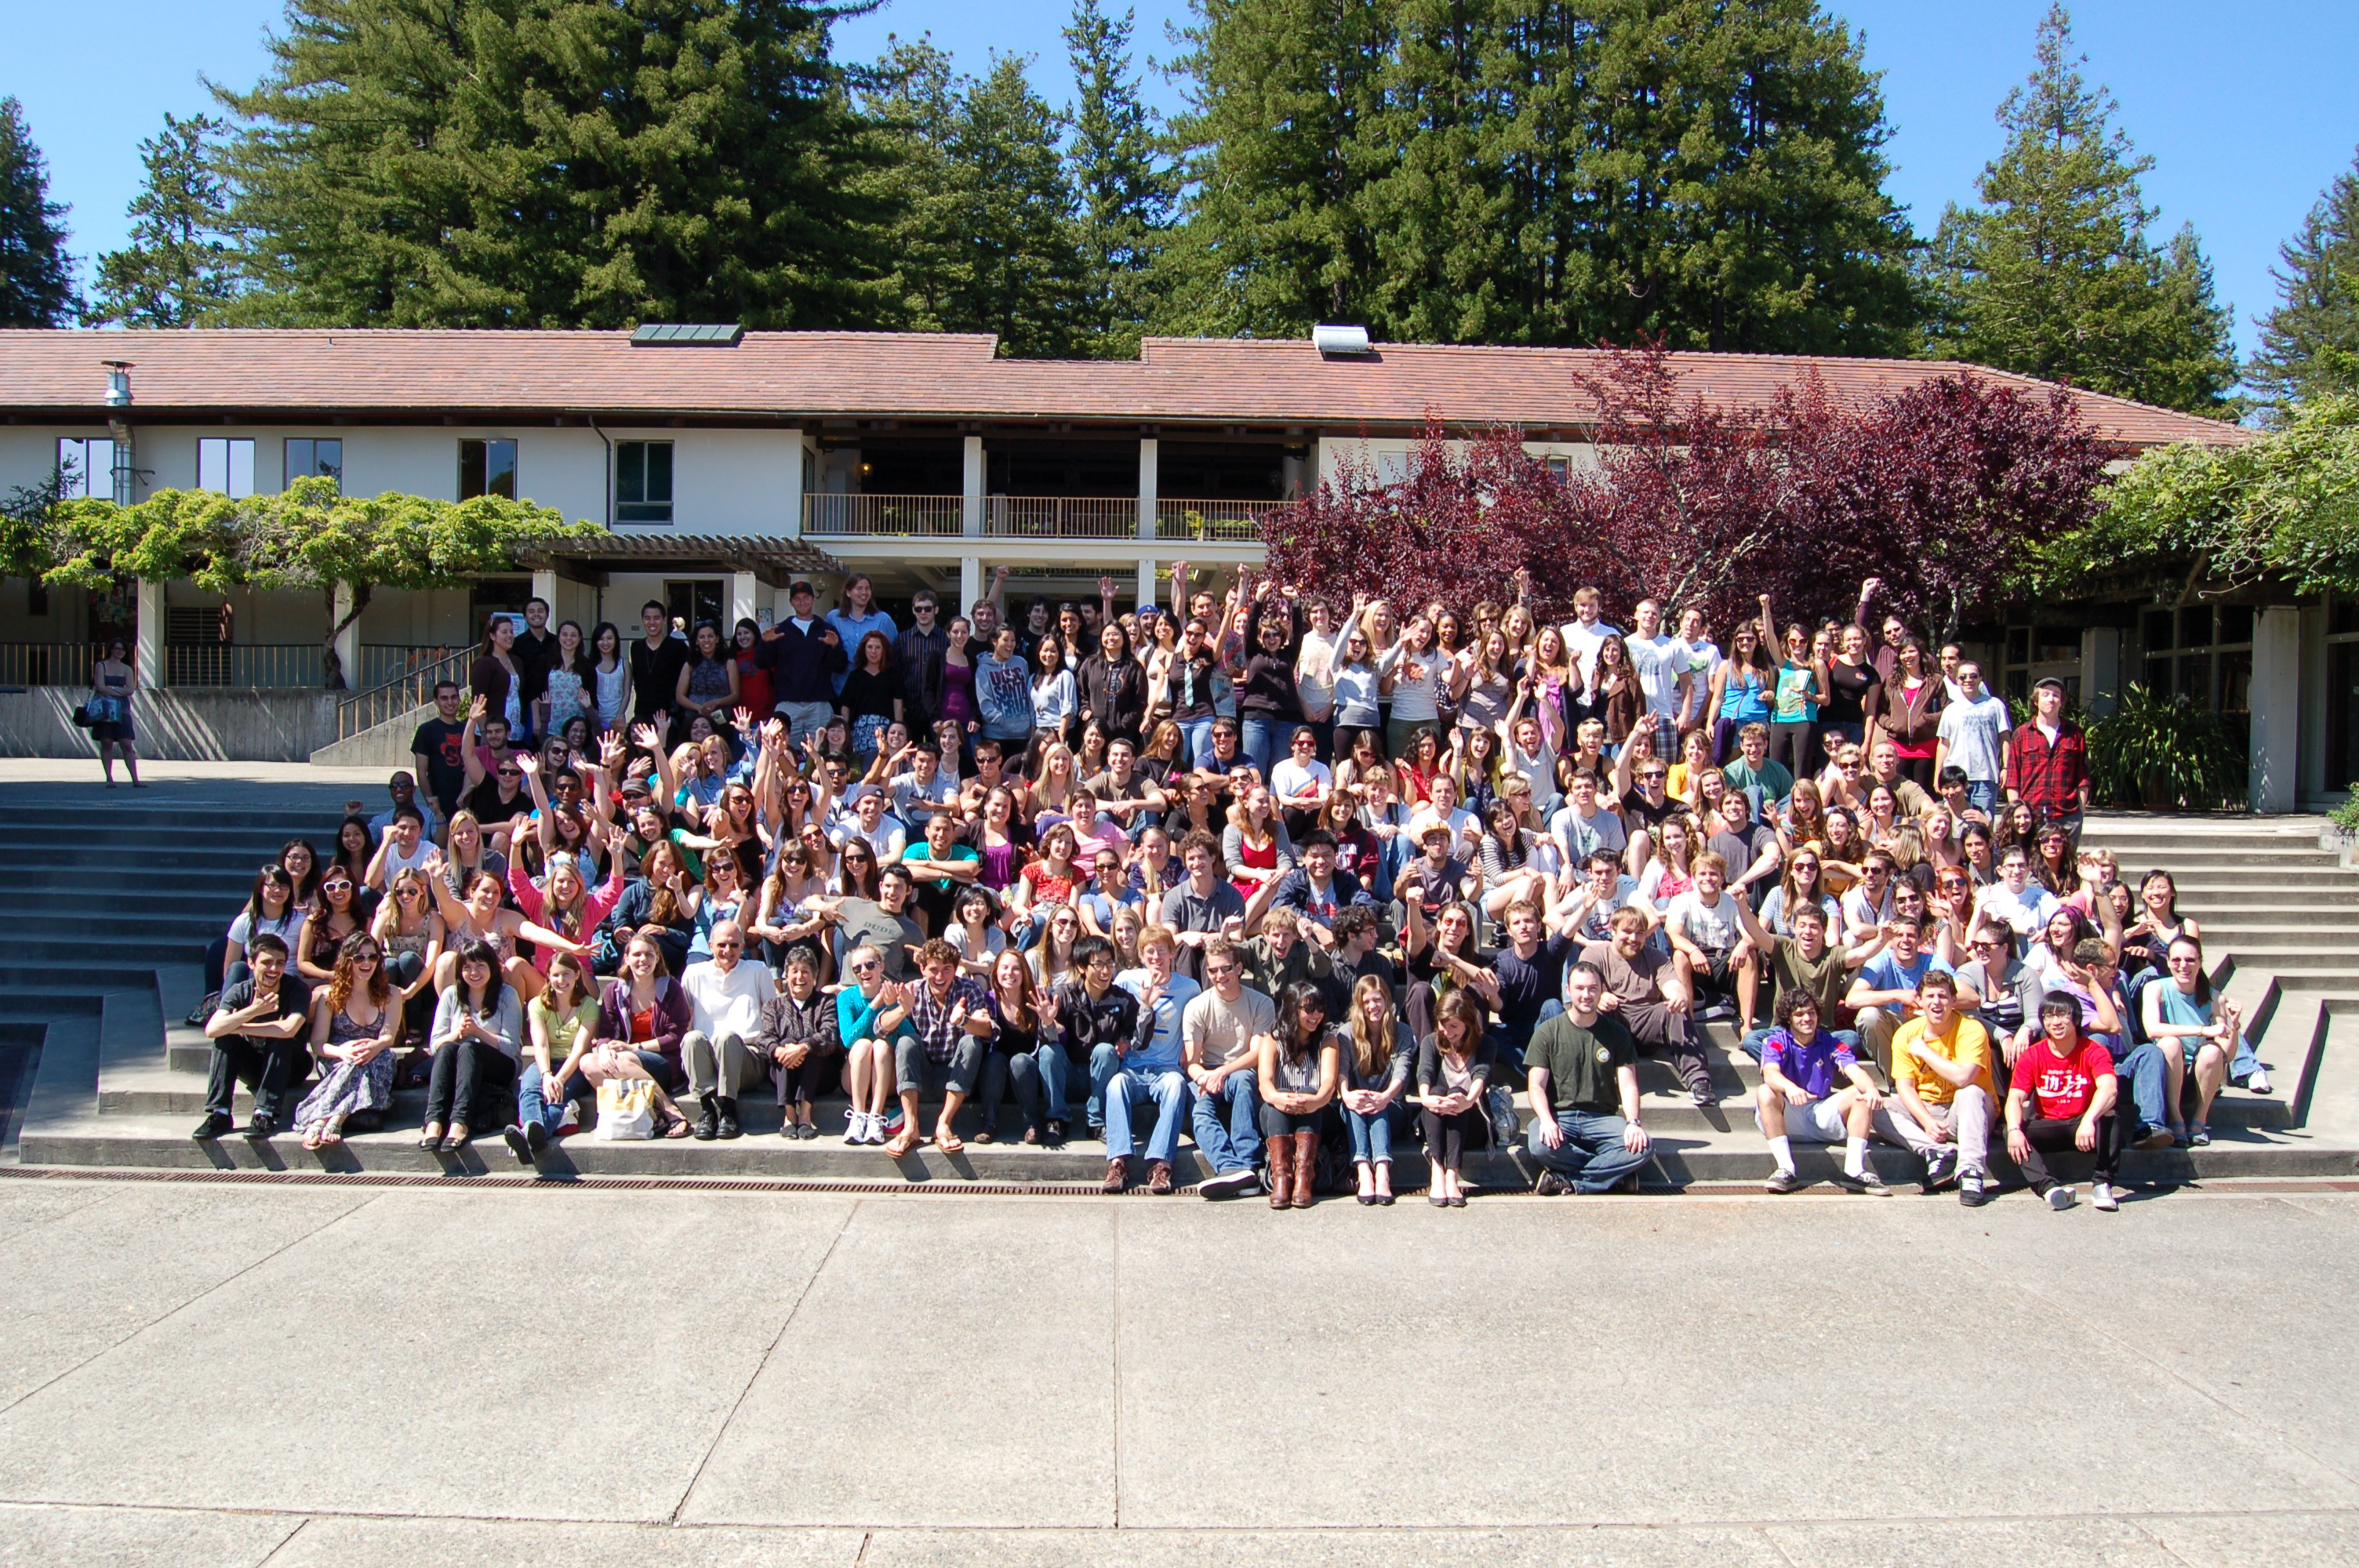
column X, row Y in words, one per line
column 1032, row 517
column 412, row 688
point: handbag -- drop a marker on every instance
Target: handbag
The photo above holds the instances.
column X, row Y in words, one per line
column 626, row 1111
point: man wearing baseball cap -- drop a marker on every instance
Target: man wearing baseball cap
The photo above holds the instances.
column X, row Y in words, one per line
column 2047, row 762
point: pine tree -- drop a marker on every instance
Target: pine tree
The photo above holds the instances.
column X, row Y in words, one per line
column 2310, row 343
column 35, row 275
column 555, row 163
column 2054, row 274
column 988, row 240
column 177, row 271
column 1541, row 172
column 1123, row 183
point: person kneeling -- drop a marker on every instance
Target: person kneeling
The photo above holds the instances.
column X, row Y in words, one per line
column 1800, row 1064
column 2062, row 1096
column 1582, row 1070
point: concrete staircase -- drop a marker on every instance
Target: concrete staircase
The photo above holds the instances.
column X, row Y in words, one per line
column 113, row 919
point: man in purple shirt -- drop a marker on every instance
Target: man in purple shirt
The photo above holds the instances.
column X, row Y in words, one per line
column 1813, row 1088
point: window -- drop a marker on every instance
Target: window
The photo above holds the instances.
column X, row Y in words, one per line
column 308, row 458
column 694, row 600
column 87, row 468
column 643, row 482
column 487, row 468
column 225, row 465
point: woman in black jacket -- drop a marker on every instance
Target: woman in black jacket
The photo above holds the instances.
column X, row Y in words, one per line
column 1114, row 687
column 1269, row 705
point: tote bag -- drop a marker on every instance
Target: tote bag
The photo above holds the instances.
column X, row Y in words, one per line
column 626, row 1111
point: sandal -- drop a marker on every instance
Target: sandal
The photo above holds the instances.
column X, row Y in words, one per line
column 676, row 1127
column 311, row 1139
column 946, row 1140
column 332, row 1132
column 903, row 1141
column 2199, row 1135
column 986, row 1135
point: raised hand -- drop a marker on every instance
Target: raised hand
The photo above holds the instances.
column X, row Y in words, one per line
column 528, row 765
column 741, row 719
column 1105, row 587
column 646, row 736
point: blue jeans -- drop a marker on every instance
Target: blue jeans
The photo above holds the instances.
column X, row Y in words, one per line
column 533, row 1105
column 1104, row 1063
column 1173, row 1094
column 2142, row 1070
column 1260, row 741
column 1982, row 797
column 1227, row 1123
column 1592, row 1156
column 1372, row 1136
column 1508, row 1039
column 1751, row 1044
column 1196, row 735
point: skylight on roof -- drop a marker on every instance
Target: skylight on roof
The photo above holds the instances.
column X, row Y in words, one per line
column 685, row 335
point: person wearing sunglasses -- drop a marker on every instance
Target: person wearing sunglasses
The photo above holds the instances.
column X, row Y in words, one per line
column 355, row 1023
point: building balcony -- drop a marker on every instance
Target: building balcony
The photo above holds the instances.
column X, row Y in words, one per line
column 1046, row 518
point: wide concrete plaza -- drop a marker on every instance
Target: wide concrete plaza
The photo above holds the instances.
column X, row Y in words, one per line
column 200, row 1373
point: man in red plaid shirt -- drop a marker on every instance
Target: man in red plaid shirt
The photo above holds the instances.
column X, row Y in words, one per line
column 2047, row 762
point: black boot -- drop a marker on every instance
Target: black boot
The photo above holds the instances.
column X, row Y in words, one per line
column 729, row 1127
column 708, row 1124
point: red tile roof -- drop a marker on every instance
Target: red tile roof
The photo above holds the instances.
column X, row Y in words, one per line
column 911, row 375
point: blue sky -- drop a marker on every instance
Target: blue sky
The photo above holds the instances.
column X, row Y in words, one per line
column 2248, row 110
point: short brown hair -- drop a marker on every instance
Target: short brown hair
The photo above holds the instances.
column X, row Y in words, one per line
column 934, row 950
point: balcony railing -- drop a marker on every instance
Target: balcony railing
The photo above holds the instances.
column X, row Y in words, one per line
column 409, row 687
column 1032, row 517
column 888, row 516
column 279, row 665
column 48, row 664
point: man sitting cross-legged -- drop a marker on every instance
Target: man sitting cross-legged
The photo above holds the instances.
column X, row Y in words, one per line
column 1813, row 1089
column 1581, row 1067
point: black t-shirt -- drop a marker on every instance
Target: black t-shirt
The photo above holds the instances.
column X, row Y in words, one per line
column 294, row 997
column 1525, row 984
column 1847, row 696
column 655, row 675
column 437, row 741
column 1634, row 808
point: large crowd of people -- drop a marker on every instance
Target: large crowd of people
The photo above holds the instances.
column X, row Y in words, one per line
column 1296, row 877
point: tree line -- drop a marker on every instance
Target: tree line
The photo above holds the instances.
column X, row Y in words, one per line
column 1710, row 172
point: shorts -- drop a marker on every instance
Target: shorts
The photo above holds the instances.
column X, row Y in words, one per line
column 1816, row 1122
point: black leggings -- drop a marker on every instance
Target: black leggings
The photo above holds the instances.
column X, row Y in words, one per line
column 1276, row 1123
column 1446, row 1137
column 1795, row 744
column 464, row 1071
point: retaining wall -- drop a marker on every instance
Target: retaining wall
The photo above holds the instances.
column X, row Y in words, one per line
column 184, row 724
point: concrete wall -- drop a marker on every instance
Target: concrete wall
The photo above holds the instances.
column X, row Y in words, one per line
column 197, row 724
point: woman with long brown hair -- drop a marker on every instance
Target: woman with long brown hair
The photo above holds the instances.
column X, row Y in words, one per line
column 1377, row 1057
column 1299, row 1068
column 1453, row 1080
column 354, row 1026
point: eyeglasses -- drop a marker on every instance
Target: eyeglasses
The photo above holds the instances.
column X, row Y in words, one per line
column 336, row 887
column 511, row 774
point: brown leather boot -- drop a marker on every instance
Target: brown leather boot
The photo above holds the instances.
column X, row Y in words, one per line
column 1305, row 1167
column 1281, row 1170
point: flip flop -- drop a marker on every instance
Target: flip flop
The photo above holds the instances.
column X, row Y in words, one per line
column 311, row 1139
column 949, row 1142
column 902, row 1143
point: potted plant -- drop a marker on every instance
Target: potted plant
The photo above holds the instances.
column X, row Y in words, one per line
column 2167, row 754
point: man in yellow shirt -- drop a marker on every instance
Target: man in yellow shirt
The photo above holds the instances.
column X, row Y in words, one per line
column 1942, row 1076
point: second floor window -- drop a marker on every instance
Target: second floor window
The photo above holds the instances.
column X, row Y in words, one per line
column 86, row 468
column 643, row 482
column 487, row 468
column 310, row 458
column 225, row 465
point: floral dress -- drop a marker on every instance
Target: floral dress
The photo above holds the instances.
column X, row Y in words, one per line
column 349, row 1086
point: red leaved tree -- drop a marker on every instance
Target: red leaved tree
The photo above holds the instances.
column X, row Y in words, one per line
column 1937, row 490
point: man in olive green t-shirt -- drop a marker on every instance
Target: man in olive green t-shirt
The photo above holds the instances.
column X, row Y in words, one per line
column 1581, row 1067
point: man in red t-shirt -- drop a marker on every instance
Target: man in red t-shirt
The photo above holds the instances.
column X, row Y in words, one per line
column 2061, row 1095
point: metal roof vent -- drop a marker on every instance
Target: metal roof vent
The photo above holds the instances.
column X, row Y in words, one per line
column 1334, row 342
column 682, row 335
column 118, row 382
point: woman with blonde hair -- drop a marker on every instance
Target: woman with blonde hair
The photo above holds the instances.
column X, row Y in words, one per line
column 1376, row 1058
column 409, row 928
column 354, row 1026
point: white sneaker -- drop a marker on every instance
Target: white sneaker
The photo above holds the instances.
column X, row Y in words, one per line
column 2101, row 1198
column 2060, row 1198
column 2259, row 1082
column 855, row 1130
column 876, row 1125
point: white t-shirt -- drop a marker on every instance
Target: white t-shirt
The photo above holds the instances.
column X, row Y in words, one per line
column 1583, row 642
column 1713, row 927
column 1314, row 676
column 1703, row 658
column 1218, row 1031
column 1416, row 698
column 1660, row 662
column 1973, row 730
column 1291, row 778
